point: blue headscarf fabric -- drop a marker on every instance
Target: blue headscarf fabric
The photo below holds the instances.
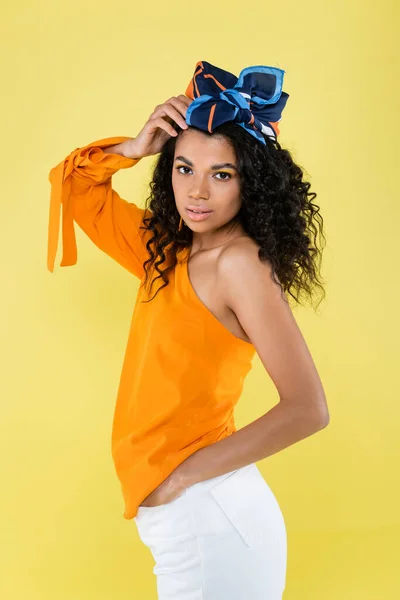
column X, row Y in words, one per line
column 254, row 100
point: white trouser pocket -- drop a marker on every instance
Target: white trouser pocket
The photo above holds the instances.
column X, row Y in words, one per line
column 251, row 508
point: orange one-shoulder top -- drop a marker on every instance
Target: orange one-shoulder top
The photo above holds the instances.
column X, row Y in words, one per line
column 183, row 371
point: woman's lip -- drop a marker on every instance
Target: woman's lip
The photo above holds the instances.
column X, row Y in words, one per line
column 198, row 216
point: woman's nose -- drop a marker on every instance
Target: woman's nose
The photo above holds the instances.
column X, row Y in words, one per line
column 199, row 189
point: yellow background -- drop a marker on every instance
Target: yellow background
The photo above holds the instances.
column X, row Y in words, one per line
column 75, row 72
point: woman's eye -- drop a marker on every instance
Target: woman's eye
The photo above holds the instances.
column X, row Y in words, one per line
column 182, row 167
column 229, row 176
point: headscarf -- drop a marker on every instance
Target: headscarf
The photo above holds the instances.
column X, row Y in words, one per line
column 254, row 100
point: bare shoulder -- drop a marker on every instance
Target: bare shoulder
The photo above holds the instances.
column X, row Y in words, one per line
column 239, row 264
column 243, row 246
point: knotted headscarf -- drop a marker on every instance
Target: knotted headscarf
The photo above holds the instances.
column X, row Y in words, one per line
column 254, row 100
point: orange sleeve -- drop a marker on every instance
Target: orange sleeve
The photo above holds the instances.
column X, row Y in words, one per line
column 81, row 186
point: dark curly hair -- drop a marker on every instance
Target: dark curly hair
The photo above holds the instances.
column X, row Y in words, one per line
column 277, row 211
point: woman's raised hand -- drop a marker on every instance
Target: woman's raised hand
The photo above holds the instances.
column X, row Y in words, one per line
column 158, row 128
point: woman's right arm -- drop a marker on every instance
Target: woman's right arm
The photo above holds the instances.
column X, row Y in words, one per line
column 81, row 186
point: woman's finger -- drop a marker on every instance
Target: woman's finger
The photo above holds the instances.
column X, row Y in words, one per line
column 181, row 103
column 168, row 109
column 162, row 123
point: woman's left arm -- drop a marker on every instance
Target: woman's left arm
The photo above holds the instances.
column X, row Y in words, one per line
column 265, row 315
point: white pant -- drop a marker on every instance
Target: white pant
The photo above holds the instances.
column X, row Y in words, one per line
column 222, row 539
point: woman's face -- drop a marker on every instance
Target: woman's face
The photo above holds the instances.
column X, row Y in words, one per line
column 201, row 177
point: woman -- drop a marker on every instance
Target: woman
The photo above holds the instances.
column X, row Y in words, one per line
column 188, row 477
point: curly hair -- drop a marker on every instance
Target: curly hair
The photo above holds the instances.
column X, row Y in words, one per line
column 277, row 211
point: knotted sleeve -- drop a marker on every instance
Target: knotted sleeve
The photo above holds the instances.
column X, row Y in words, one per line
column 81, row 188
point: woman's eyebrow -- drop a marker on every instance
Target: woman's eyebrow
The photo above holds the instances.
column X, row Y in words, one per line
column 226, row 165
